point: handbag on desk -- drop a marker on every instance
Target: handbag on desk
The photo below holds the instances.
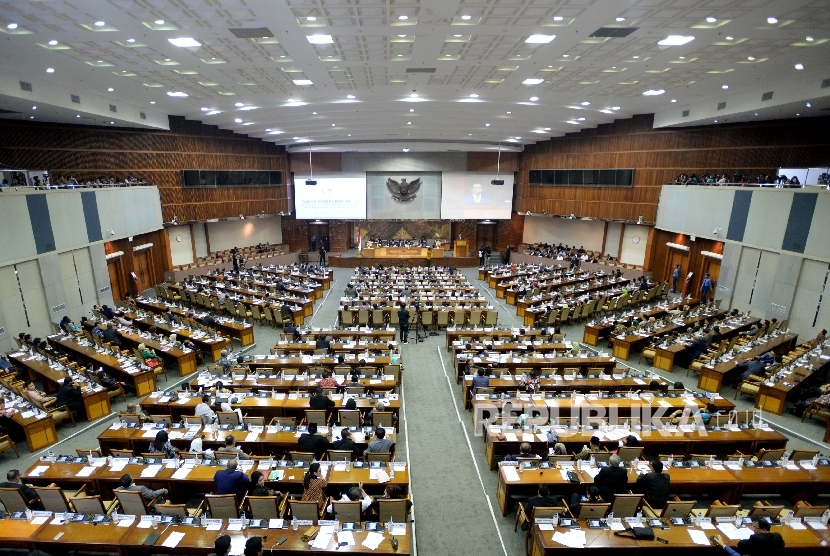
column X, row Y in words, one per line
column 639, row 533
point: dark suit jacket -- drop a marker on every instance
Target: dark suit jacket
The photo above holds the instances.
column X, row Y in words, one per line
column 231, row 481
column 68, row 395
column 655, row 488
column 320, row 402
column 611, row 481
column 347, row 444
column 761, row 544
column 313, row 443
column 322, row 344
column 28, row 493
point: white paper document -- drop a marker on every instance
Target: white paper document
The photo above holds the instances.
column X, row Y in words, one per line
column 321, row 541
column 698, row 537
column 151, row 470
column 86, row 471
column 345, row 537
column 373, row 540
column 733, row 533
column 510, row 473
column 571, row 539
column 181, row 473
column 173, row 540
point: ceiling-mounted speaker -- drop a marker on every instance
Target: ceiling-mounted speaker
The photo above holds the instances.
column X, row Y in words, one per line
column 311, row 182
column 496, row 182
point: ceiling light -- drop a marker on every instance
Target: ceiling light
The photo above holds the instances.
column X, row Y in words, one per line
column 303, row 82
column 532, row 81
column 100, row 23
column 799, row 66
column 400, row 55
column 110, row 89
column 509, row 112
column 716, row 121
column 724, row 86
column 534, row 99
column 239, row 104
column 130, row 40
column 152, row 102
column 112, row 123
column 332, row 125
column 566, row 55
column 77, row 115
column 403, row 17
column 413, row 94
column 35, row 107
column 487, row 124
column 408, row 123
column 406, row 149
column 674, row 100
column 606, row 111
column 729, row 38
column 586, row 103
column 620, row 19
column 273, row 132
column 808, row 105
column 676, row 40
column 558, row 18
column 12, row 26
column 185, row 42
column 205, row 109
column 320, row 39
column 349, row 96
column 176, row 94
column 238, row 120
column 404, row 36
column 580, row 119
column 517, row 138
column 314, row 113
column 615, row 108
column 772, row 20
column 636, row 57
column 473, row 95
column 539, row 39
column 653, row 92
column 311, row 18
column 797, row 114
column 809, row 39
column 547, row 129
column 711, row 20
column 466, row 17
column 295, row 138
column 53, row 42
column 159, row 22
column 412, row 110
column 750, row 58
column 50, row 70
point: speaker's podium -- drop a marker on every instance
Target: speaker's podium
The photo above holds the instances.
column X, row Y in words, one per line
column 460, row 248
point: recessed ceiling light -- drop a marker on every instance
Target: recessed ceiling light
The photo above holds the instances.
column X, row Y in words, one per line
column 12, row 26
column 750, row 58
column 606, row 111
column 178, row 94
column 547, row 129
column 320, row 39
column 566, row 55
column 681, row 57
column 238, row 120
column 205, row 109
column 615, row 108
column 509, row 112
column 77, row 115
column 532, row 81
column 674, row 100
column 558, row 18
column 112, row 123
column 349, row 96
column 406, row 149
column 772, row 20
column 130, row 40
column 580, row 119
column 53, row 42
column 729, row 38
column 404, row 36
column 799, row 66
column 332, row 125
column 100, row 61
column 167, row 59
column 653, row 92
column 636, row 57
column 100, row 23
column 110, row 89
column 534, row 99
column 185, row 42
column 408, row 123
column 586, row 103
column 676, row 40
column 314, row 113
column 303, row 82
column 724, row 86
column 413, row 94
column 403, row 17
column 517, row 138
column 295, row 138
column 756, row 113
column 31, row 117
column 311, row 18
column 35, row 107
column 487, row 124
column 457, row 36
column 711, row 20
column 797, row 114
column 809, row 39
column 50, row 70
column 539, row 39
column 620, row 19
column 400, row 55
column 716, row 121
column 152, row 102
column 808, row 105
column 466, row 17
column 159, row 22
column 412, row 110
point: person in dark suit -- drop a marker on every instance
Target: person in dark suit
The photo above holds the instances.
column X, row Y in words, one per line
column 481, row 380
column 221, row 546
column 761, row 542
column 754, row 367
column 346, row 443
column 654, row 486
column 312, row 442
column 612, row 480
column 111, row 335
column 322, row 342
column 403, row 323
column 70, row 395
column 13, row 481
column 231, row 481
column 320, row 400
column 543, row 499
column 477, row 198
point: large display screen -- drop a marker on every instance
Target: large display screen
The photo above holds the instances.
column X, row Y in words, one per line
column 334, row 196
column 404, row 195
column 468, row 195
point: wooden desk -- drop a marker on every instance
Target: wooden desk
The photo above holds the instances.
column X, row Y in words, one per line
column 623, row 347
column 604, row 542
column 288, row 384
column 664, row 357
column 455, row 334
column 184, row 361
column 242, row 332
column 39, row 431
column 553, row 365
column 593, row 332
column 203, row 342
column 711, row 378
column 143, row 380
column 771, row 397
column 96, row 400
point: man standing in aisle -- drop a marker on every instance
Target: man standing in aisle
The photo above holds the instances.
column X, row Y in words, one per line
column 705, row 288
column 675, row 276
column 403, row 322
column 322, row 255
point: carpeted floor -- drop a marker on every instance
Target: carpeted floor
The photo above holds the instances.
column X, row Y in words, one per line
column 454, row 492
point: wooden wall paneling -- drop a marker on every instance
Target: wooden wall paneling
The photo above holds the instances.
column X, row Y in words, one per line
column 489, row 162
column 660, row 255
column 321, row 162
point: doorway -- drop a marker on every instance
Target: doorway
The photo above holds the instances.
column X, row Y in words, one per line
column 320, row 230
column 712, row 266
column 143, row 270
column 486, row 235
column 114, row 269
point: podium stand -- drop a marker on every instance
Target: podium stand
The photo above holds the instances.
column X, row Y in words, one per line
column 460, row 248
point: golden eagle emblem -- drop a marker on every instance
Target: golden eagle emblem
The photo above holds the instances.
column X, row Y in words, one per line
column 403, row 192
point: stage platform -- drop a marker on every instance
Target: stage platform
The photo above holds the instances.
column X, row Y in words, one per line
column 351, row 259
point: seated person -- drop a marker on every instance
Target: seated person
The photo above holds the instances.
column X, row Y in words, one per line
column 543, row 499
column 148, row 494
column 380, row 406
column 613, row 479
column 394, row 492
column 524, row 452
column 36, row 395
column 654, row 486
column 761, row 542
column 593, row 447
column 380, row 444
column 346, row 442
column 353, row 494
column 312, row 442
column 13, row 480
column 319, row 400
column 230, row 446
column 107, row 381
column 592, row 497
column 704, row 413
column 161, row 445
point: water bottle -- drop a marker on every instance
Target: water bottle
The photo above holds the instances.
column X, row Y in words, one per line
column 738, row 521
column 294, row 524
column 825, row 517
column 391, row 472
column 815, row 460
column 28, row 514
column 244, row 521
column 556, row 519
column 389, row 525
column 116, row 517
column 89, row 458
column 51, row 455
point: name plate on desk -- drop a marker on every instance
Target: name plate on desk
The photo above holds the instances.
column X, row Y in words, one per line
column 304, row 522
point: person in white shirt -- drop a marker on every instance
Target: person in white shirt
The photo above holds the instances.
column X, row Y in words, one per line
column 354, row 494
column 204, row 411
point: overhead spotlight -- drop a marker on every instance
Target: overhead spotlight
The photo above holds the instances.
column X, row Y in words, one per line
column 406, row 149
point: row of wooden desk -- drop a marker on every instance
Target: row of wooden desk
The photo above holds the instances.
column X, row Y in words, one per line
column 131, row 540
column 632, row 343
column 593, row 332
column 540, row 362
column 727, row 482
column 711, row 378
column 468, row 334
column 269, row 441
column 665, row 356
column 241, row 331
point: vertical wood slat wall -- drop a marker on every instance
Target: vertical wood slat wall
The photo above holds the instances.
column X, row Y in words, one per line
column 157, row 156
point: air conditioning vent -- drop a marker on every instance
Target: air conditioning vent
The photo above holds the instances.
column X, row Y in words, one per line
column 143, row 115
column 25, row 86
column 76, row 99
column 613, row 32
column 251, row 33
column 113, row 108
column 420, row 70
column 721, row 105
column 824, row 84
column 767, row 96
column 58, row 308
column 685, row 113
column 105, row 289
